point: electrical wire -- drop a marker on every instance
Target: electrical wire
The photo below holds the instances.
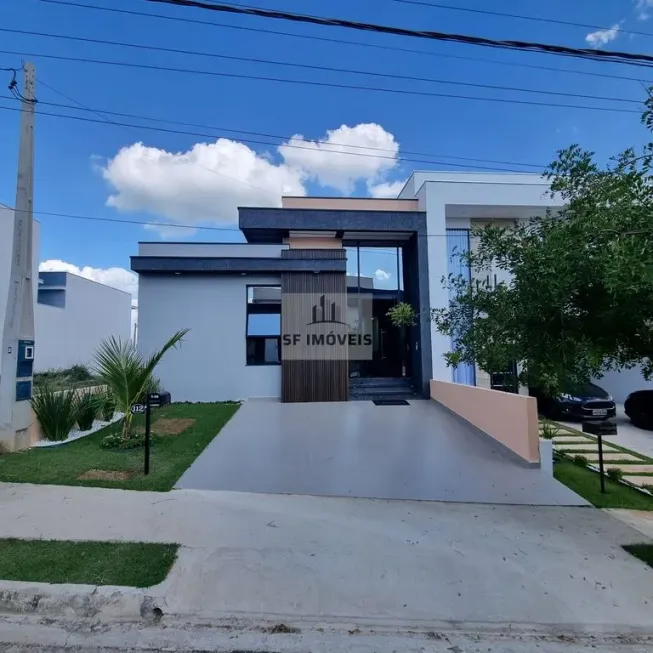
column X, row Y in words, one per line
column 104, row 112
column 362, row 44
column 378, row 89
column 13, row 86
column 524, row 46
column 430, row 80
column 487, row 12
column 174, row 224
column 258, row 142
column 110, row 122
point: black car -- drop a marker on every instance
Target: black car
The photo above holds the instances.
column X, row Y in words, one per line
column 583, row 402
column 639, row 407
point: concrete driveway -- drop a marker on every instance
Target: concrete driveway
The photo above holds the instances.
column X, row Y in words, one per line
column 357, row 449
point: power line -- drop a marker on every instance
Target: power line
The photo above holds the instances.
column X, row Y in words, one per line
column 344, row 41
column 102, row 112
column 105, row 119
column 179, row 225
column 524, row 46
column 215, row 73
column 487, row 12
column 258, row 142
column 314, row 67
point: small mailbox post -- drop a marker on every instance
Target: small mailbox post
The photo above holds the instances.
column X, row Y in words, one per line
column 153, row 400
column 599, row 429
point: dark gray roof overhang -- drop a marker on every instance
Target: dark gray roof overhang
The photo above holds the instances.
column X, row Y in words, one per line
column 234, row 265
column 267, row 225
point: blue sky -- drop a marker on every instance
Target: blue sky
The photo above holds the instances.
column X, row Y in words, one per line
column 78, row 170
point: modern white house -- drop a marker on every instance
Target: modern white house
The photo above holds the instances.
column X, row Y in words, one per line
column 249, row 305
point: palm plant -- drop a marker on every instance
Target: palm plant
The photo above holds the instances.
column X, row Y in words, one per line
column 56, row 411
column 127, row 374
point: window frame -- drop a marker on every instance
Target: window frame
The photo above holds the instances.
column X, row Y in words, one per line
column 249, row 338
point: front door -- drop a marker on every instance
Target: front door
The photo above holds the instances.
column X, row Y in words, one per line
column 387, row 343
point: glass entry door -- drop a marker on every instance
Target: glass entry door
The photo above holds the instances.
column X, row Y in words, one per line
column 377, row 272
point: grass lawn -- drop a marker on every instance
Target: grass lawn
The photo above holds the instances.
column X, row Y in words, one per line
column 587, row 483
column 642, row 551
column 133, row 564
column 171, row 455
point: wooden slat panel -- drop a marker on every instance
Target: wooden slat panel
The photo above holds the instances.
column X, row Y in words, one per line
column 312, row 380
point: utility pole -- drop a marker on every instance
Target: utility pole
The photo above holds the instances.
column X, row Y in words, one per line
column 18, row 334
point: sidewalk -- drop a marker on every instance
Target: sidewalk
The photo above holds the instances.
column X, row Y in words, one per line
column 359, row 561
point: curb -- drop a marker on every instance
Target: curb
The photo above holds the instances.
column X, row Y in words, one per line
column 62, row 601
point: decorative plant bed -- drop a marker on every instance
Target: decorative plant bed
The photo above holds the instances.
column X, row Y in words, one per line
column 76, row 434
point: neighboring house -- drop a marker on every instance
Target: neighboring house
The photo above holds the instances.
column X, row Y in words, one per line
column 241, row 300
column 71, row 314
column 72, row 317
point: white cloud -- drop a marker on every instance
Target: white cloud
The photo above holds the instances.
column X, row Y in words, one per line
column 387, row 189
column 207, row 183
column 372, row 151
column 603, row 36
column 643, row 9
column 167, row 231
column 381, row 275
column 114, row 277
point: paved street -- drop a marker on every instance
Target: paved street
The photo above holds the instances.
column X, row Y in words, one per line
column 409, row 564
column 450, row 638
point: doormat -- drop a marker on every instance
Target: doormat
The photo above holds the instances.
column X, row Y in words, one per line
column 390, row 402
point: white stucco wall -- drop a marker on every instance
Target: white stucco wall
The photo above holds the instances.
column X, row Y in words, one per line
column 621, row 384
column 452, row 201
column 6, row 244
column 71, row 335
column 211, row 364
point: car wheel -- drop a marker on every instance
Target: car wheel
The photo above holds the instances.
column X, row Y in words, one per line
column 642, row 421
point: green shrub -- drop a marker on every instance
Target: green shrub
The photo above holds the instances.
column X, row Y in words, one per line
column 580, row 460
column 615, row 473
column 78, row 373
column 648, row 488
column 549, row 429
column 88, row 405
column 56, row 412
column 108, row 406
column 116, row 440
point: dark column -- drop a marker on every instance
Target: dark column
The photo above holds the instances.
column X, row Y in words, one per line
column 416, row 288
column 327, row 378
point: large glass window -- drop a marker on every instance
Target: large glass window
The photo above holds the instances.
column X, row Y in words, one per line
column 263, row 330
column 376, row 273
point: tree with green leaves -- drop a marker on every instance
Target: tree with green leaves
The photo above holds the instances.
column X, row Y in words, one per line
column 580, row 297
column 127, row 374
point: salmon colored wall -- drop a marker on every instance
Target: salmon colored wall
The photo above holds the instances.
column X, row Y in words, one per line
column 300, row 242
column 508, row 418
column 349, row 204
